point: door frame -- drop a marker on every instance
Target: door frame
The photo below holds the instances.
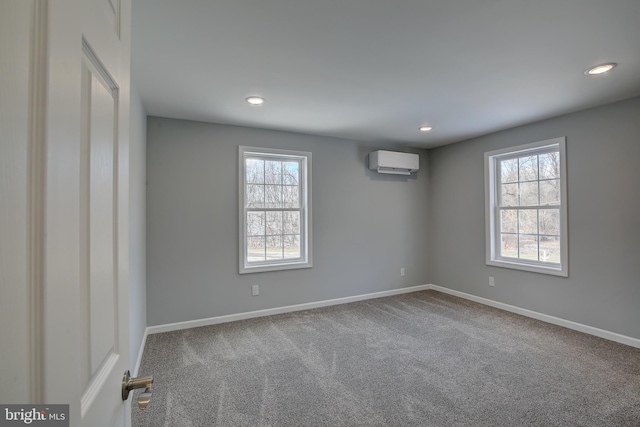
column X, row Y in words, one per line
column 24, row 52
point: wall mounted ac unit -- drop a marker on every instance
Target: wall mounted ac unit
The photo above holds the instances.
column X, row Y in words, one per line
column 394, row 162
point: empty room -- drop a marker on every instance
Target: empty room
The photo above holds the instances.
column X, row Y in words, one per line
column 321, row 213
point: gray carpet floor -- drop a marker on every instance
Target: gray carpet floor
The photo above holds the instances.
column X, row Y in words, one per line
column 418, row 359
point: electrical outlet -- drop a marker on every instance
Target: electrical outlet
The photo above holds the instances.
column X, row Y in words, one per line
column 492, row 281
column 402, row 272
column 255, row 290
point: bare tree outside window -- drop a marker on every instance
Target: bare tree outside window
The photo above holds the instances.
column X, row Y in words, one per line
column 273, row 184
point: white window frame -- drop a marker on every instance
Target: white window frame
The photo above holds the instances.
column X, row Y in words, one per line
column 305, row 260
column 492, row 214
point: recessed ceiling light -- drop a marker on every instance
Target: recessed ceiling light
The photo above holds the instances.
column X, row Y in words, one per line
column 255, row 100
column 425, row 128
column 600, row 69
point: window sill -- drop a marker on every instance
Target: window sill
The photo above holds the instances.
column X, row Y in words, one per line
column 274, row 267
column 554, row 271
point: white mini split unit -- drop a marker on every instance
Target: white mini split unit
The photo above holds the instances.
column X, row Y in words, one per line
column 394, row 162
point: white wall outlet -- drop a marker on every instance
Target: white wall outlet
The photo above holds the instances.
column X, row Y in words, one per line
column 492, row 281
column 255, row 290
column 402, row 272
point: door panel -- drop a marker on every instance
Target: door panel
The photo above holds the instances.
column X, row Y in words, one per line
column 86, row 309
column 99, row 292
column 102, row 283
column 102, row 304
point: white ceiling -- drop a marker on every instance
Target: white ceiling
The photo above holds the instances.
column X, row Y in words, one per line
column 376, row 70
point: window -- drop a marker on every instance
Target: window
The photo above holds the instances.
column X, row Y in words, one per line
column 275, row 209
column 526, row 207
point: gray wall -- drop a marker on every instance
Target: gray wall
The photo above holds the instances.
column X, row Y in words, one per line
column 366, row 226
column 137, row 229
column 603, row 166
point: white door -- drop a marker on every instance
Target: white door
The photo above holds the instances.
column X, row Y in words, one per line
column 74, row 173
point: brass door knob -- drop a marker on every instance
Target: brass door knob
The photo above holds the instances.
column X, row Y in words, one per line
column 129, row 384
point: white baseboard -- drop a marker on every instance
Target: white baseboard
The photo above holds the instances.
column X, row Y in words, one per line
column 278, row 310
column 612, row 336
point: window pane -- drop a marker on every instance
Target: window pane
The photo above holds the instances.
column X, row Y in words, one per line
column 550, row 221
column 274, row 223
column 273, row 196
column 291, row 221
column 255, row 223
column 509, row 170
column 275, row 189
column 291, row 246
column 255, row 196
column 272, row 172
column 526, row 209
column 529, row 193
column 550, row 192
column 509, row 221
column 254, row 171
column 274, row 247
column 528, row 168
column 550, row 165
column 528, row 246
column 509, row 246
column 528, row 221
column 550, row 249
column 509, row 195
column 291, row 196
column 255, row 249
column 290, row 173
